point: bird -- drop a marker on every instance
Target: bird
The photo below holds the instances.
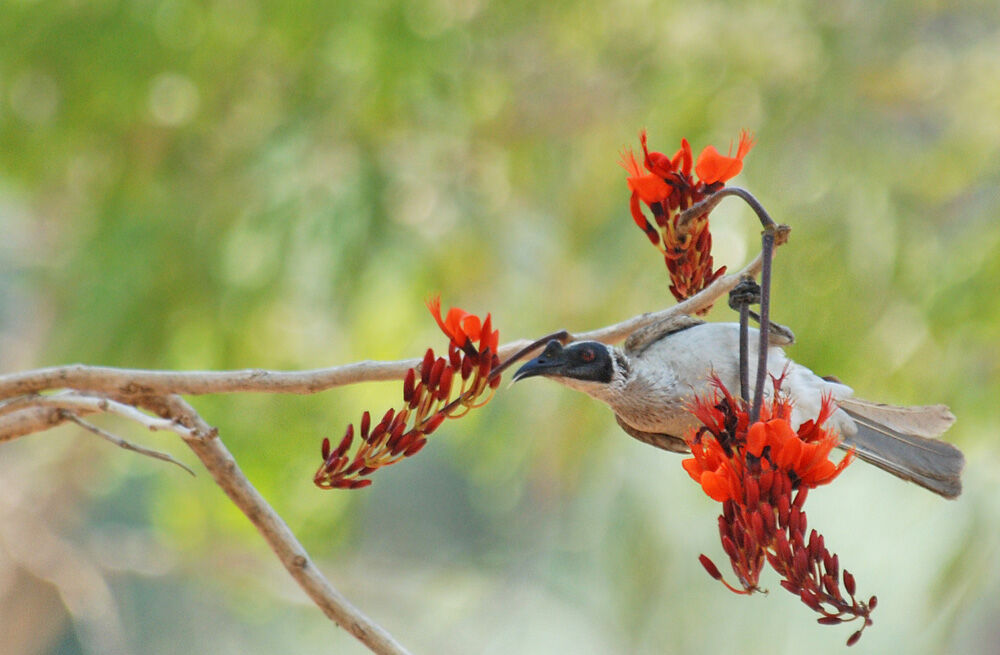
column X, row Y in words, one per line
column 651, row 380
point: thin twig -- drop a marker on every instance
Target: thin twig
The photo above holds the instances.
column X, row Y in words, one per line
column 123, row 443
column 77, row 402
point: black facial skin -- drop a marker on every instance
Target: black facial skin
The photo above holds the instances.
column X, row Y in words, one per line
column 584, row 360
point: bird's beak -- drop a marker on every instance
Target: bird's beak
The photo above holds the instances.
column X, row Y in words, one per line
column 552, row 361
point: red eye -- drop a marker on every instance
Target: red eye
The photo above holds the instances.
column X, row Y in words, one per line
column 587, row 355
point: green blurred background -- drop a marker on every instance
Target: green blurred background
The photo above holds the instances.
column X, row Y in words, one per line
column 235, row 183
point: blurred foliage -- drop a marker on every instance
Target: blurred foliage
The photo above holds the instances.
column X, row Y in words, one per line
column 235, row 183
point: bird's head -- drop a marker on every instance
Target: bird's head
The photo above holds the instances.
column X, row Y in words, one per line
column 584, row 365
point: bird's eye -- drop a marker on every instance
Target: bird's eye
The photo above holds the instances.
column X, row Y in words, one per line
column 587, row 355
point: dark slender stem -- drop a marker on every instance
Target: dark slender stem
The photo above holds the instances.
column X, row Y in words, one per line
column 745, row 352
column 767, row 250
column 709, row 203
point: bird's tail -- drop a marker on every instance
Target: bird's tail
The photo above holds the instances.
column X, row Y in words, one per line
column 901, row 440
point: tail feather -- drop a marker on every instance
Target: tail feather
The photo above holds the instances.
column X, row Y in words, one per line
column 920, row 421
column 905, row 452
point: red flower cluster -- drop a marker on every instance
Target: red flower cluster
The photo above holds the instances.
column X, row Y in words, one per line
column 761, row 474
column 667, row 189
column 437, row 389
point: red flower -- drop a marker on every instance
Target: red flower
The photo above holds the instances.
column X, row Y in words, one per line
column 436, row 389
column 667, row 188
column 463, row 328
column 762, row 473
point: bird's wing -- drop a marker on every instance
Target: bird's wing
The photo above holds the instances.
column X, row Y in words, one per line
column 642, row 338
column 662, row 441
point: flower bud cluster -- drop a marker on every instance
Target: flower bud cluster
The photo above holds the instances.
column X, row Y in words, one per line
column 438, row 388
column 762, row 474
column 667, row 189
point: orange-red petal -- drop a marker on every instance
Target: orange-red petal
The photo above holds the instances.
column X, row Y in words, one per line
column 682, row 158
column 716, row 486
column 693, row 468
column 434, row 305
column 712, row 166
column 656, row 162
column 649, row 187
column 790, row 454
column 756, row 439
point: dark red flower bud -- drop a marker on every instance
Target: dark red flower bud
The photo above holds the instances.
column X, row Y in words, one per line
column 752, row 492
column 404, row 442
column 766, row 480
column 408, row 383
column 831, row 586
column 325, row 449
column 813, row 546
column 783, row 509
column 849, row 583
column 394, row 436
column 366, row 423
column 360, row 484
column 853, row 639
column 467, row 364
column 800, row 563
column 418, row 395
column 444, row 386
column 767, row 513
column 415, row 447
column 729, row 510
column 730, row 548
column 809, row 598
column 436, row 370
column 724, row 527
column 782, row 547
column 872, row 602
column 433, row 423
column 786, row 484
column 800, row 497
column 832, row 566
column 345, row 443
column 793, row 522
column 757, row 522
column 485, row 363
column 425, row 366
column 454, row 356
column 710, row 566
column 829, row 620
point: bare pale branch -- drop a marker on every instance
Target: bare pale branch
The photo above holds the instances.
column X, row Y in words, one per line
column 227, row 474
column 136, row 382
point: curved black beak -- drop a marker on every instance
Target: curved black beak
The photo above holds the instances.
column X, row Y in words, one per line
column 552, row 361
